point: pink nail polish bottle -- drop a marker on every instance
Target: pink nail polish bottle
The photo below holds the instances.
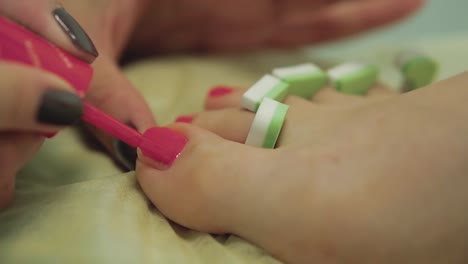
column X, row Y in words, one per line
column 17, row 44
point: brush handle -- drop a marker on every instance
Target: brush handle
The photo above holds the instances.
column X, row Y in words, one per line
column 111, row 126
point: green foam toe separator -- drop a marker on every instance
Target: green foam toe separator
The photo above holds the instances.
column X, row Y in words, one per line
column 306, row 85
column 275, row 126
column 419, row 72
column 279, row 93
column 358, row 83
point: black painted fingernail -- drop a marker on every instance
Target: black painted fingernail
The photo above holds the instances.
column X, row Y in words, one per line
column 74, row 31
column 60, row 108
column 126, row 155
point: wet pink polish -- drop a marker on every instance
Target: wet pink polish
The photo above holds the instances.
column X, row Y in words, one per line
column 162, row 144
column 220, row 91
column 158, row 143
column 184, row 119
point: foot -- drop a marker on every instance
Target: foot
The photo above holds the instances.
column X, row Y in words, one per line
column 350, row 174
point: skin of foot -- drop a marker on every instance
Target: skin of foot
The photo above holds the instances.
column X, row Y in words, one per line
column 376, row 179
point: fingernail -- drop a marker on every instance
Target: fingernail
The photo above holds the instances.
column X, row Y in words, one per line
column 184, row 119
column 59, row 107
column 220, row 91
column 74, row 31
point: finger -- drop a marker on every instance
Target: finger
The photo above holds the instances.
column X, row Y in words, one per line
column 208, row 175
column 230, row 123
column 112, row 33
column 53, row 23
column 17, row 148
column 340, row 19
column 287, row 8
column 31, row 99
column 238, row 26
column 113, row 93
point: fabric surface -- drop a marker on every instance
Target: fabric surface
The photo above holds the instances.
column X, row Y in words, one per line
column 73, row 205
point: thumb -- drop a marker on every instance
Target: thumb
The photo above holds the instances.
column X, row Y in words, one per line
column 209, row 176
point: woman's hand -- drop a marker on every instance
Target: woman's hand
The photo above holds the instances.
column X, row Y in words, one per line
column 108, row 23
column 171, row 25
column 354, row 180
column 33, row 101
